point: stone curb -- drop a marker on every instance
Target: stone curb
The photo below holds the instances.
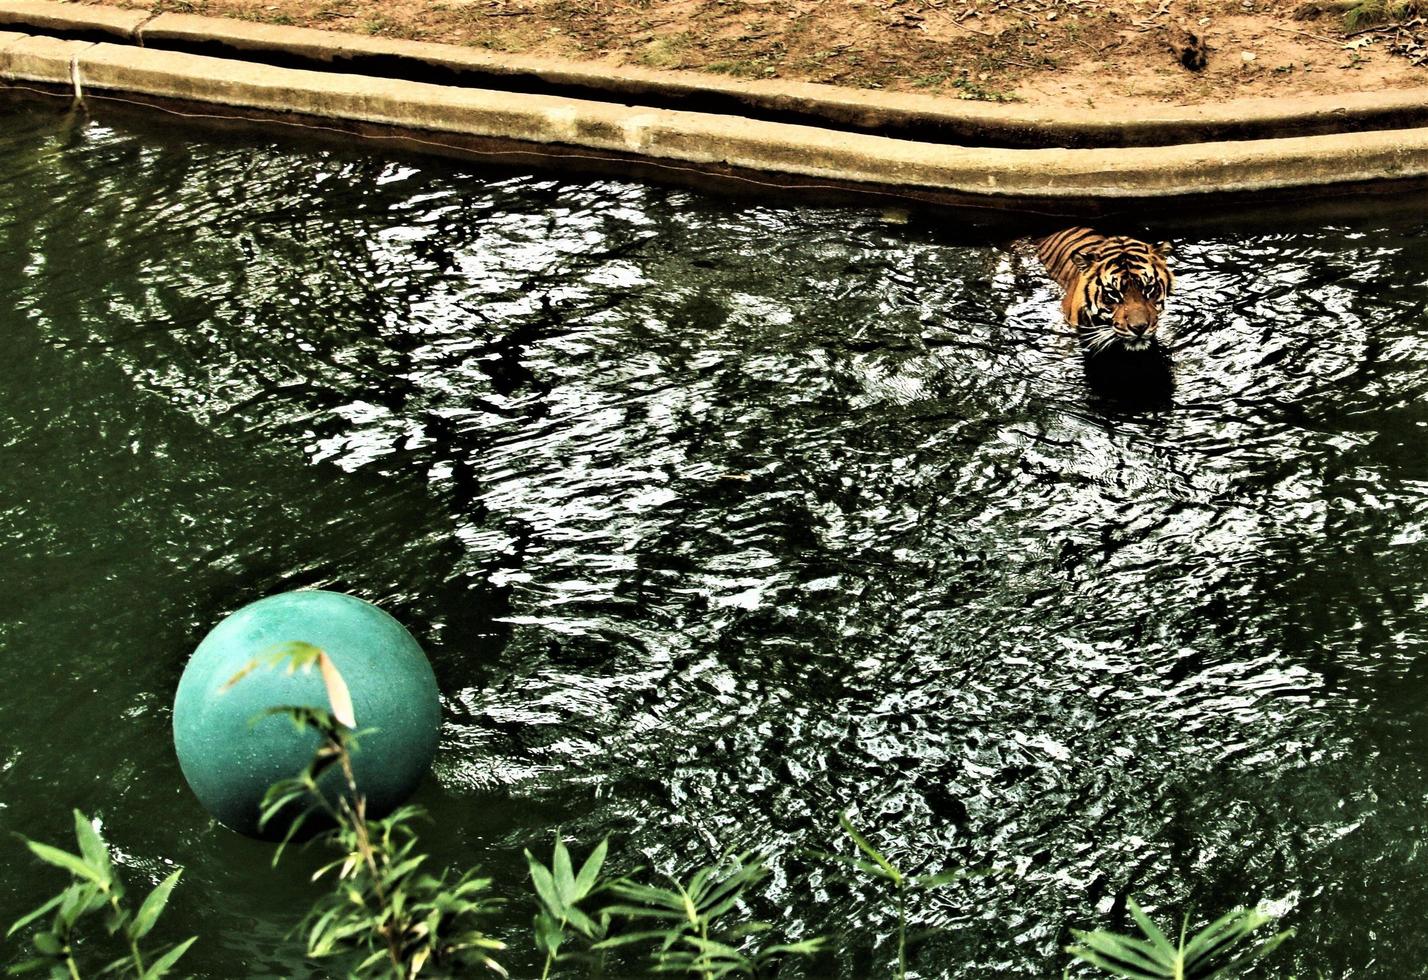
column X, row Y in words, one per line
column 102, row 70
column 885, row 113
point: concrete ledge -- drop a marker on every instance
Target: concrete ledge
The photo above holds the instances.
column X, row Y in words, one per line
column 73, row 20
column 39, row 59
column 702, row 139
column 905, row 115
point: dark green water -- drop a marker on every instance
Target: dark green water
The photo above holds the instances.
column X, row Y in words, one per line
column 717, row 517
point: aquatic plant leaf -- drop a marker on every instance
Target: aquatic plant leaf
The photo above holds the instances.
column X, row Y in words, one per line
column 26, row 919
column 63, row 859
column 28, row 966
column 165, row 963
column 544, row 883
column 92, row 846
column 1207, row 956
column 1263, row 950
column 153, row 906
column 1223, row 932
column 590, row 871
column 887, row 870
column 1149, row 928
column 562, row 873
column 339, row 698
column 1124, row 955
column 296, row 655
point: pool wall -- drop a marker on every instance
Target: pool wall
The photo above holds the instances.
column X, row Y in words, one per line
column 65, row 50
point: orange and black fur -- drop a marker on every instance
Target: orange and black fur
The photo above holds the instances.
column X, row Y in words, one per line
column 1115, row 287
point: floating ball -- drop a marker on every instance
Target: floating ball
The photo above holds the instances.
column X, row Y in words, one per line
column 231, row 751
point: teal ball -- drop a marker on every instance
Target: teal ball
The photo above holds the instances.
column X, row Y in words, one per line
column 230, row 751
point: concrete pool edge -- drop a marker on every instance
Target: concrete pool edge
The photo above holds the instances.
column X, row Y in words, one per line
column 1003, row 177
column 909, row 115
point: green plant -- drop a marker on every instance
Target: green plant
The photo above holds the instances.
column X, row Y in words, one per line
column 901, row 884
column 693, row 937
column 386, row 913
column 1219, row 950
column 970, row 90
column 1370, row 12
column 559, row 891
column 95, row 887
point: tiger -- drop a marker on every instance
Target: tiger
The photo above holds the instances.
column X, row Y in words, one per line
column 1115, row 287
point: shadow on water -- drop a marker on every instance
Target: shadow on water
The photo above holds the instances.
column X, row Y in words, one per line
column 1122, row 381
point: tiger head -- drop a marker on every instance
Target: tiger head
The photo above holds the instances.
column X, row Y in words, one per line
column 1123, row 285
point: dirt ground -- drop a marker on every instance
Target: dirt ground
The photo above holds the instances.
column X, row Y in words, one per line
column 1071, row 52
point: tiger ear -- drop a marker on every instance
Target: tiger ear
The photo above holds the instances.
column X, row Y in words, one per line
column 1081, row 259
column 1163, row 249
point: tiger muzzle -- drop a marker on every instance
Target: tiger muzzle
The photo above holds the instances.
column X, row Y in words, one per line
column 1136, row 317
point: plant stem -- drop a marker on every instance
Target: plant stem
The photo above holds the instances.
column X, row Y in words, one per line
column 133, row 943
column 549, row 959
column 357, row 816
column 901, row 934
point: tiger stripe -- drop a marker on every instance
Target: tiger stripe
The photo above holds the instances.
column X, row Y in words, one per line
column 1114, row 288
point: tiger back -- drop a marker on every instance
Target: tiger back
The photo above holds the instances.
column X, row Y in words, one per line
column 1114, row 288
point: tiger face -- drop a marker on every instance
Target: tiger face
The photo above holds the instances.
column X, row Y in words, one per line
column 1120, row 292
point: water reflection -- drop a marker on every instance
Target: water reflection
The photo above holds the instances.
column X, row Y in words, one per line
column 718, row 518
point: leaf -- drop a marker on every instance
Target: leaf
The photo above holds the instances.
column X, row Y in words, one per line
column 92, row 846
column 153, row 906
column 25, row 920
column 630, row 938
column 564, row 877
column 63, row 859
column 939, row 880
column 1151, row 930
column 1124, row 955
column 590, row 870
column 1265, row 948
column 79, row 899
column 297, row 655
column 548, row 934
column 804, row 947
column 545, row 888
column 27, row 966
column 338, row 697
column 889, row 872
column 164, row 963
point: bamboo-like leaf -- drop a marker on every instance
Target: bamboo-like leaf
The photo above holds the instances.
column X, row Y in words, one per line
column 297, row 655
column 1151, row 930
column 25, row 920
column 339, row 699
column 545, row 886
column 92, row 847
column 28, row 966
column 590, row 870
column 1117, row 967
column 630, row 938
column 1144, row 958
column 63, row 859
column 1223, row 932
column 804, row 947
column 888, row 870
column 1259, row 953
column 944, row 878
column 562, row 874
column 1206, row 956
column 153, row 907
column 165, row 963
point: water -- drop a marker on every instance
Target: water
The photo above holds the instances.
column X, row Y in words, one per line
column 717, row 517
